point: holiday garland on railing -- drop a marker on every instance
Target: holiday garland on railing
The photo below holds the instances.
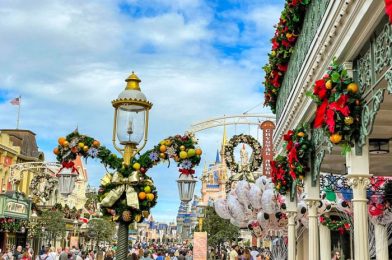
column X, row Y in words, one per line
column 12, row 225
column 289, row 169
column 128, row 194
column 339, row 106
column 283, row 43
column 342, row 225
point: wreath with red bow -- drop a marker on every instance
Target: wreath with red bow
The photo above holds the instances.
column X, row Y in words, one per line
column 335, row 223
column 290, row 169
column 338, row 100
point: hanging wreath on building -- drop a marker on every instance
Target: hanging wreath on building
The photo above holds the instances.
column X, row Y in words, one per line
column 335, row 224
column 339, row 108
column 256, row 158
column 289, row 170
column 42, row 186
column 128, row 193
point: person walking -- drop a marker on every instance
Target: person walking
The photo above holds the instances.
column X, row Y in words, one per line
column 234, row 252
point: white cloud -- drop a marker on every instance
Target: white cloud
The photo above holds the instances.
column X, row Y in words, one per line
column 68, row 60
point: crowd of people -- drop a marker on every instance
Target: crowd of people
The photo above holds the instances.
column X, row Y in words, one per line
column 239, row 253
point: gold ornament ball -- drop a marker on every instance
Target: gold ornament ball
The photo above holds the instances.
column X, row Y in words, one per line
column 81, row 145
column 328, row 84
column 352, row 87
column 183, row 155
column 348, row 120
column 335, row 138
column 127, row 216
column 147, row 189
column 136, row 166
column 167, row 142
column 85, row 148
column 162, row 148
column 182, row 148
column 301, row 134
column 150, row 197
column 138, row 218
column 65, row 143
column 162, row 155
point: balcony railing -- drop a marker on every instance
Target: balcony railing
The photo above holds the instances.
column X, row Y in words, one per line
column 313, row 18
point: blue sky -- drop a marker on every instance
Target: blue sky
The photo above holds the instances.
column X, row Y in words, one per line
column 196, row 59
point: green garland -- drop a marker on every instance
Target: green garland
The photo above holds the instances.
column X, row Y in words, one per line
column 179, row 148
column 290, row 168
column 341, row 225
column 12, row 225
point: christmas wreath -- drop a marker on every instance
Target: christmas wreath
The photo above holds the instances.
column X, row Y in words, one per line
column 338, row 106
column 42, row 192
column 128, row 194
column 256, row 158
column 283, row 43
column 336, row 224
column 291, row 168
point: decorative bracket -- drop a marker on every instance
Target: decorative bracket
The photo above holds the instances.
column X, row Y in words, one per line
column 321, row 145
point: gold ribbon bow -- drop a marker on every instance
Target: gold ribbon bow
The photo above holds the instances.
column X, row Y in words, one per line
column 246, row 175
column 124, row 185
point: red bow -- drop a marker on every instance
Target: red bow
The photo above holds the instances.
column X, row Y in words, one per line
column 341, row 230
column 388, row 9
column 320, row 114
column 69, row 165
column 187, row 171
column 337, row 106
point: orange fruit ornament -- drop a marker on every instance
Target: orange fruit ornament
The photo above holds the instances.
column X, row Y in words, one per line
column 61, row 140
column 96, row 143
column 353, row 87
column 142, row 195
column 56, row 151
column 335, row 138
column 199, row 151
column 162, row 148
column 301, row 134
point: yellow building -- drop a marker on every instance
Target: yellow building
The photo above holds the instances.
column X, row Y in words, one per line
column 17, row 146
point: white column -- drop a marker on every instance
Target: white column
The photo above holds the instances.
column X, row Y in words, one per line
column 325, row 242
column 312, row 201
column 305, row 245
column 380, row 232
column 291, row 235
column 358, row 174
column 300, row 248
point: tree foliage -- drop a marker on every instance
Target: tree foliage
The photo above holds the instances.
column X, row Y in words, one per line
column 219, row 230
column 104, row 229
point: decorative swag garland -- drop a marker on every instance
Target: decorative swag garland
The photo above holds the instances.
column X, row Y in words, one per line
column 256, row 158
column 12, row 225
column 289, row 169
column 128, row 194
column 283, row 43
column 339, row 106
column 341, row 225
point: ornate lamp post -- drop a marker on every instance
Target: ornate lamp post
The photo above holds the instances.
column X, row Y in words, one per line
column 131, row 110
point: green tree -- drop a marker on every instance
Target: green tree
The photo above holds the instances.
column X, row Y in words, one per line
column 103, row 228
column 219, row 230
column 54, row 224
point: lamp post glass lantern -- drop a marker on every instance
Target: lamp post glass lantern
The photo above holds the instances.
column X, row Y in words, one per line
column 186, row 187
column 66, row 181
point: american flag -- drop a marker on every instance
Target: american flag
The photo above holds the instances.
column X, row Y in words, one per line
column 16, row 101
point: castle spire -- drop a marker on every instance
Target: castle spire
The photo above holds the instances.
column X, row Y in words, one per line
column 224, row 138
column 217, row 160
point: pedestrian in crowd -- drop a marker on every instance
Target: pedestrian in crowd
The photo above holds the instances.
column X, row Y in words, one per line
column 254, row 253
column 64, row 254
column 18, row 253
column 335, row 255
column 189, row 255
column 146, row 256
column 26, row 256
column 109, row 255
column 90, row 255
column 44, row 256
column 52, row 253
column 234, row 252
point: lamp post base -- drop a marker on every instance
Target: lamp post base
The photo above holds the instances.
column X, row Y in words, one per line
column 122, row 241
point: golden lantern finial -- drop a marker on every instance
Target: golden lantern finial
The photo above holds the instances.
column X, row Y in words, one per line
column 133, row 82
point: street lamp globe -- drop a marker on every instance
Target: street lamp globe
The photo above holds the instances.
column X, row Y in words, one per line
column 186, row 187
column 131, row 114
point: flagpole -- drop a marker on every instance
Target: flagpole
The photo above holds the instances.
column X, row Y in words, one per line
column 17, row 120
